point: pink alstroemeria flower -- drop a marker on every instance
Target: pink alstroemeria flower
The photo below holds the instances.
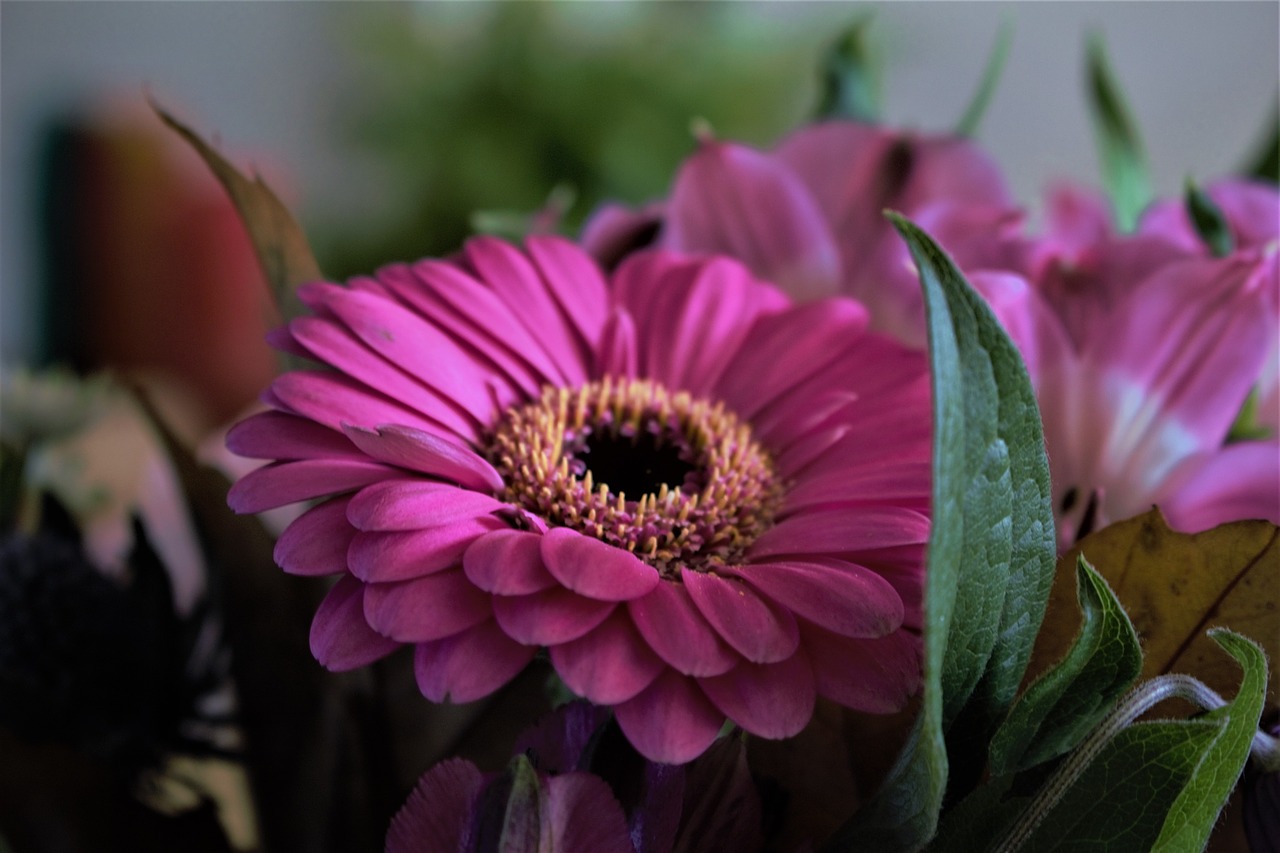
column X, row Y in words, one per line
column 704, row 500
column 1145, row 352
column 809, row 216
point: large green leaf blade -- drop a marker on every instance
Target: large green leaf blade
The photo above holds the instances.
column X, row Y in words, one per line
column 1192, row 816
column 1059, row 709
column 980, row 392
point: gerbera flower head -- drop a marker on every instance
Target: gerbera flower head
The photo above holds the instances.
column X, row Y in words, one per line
column 704, row 501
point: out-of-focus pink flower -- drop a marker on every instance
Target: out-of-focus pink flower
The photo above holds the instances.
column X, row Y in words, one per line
column 576, row 784
column 809, row 216
column 1144, row 352
column 705, row 501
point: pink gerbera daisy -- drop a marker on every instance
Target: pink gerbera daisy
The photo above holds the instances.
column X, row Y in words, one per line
column 702, row 500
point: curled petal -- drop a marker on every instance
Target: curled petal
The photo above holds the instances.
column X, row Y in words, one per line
column 550, row 617
column 671, row 721
column 469, row 665
column 595, row 569
column 341, row 639
column 425, row 608
column 431, row 454
column 678, row 632
column 401, row 504
column 757, row 630
column 508, row 562
column 316, row 542
column 403, row 554
column 282, row 483
column 773, row 700
column 608, row 665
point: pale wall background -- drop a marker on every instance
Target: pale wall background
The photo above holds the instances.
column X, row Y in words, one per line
column 270, row 76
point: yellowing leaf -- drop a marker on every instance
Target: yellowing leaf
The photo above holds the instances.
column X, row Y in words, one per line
column 281, row 246
column 1175, row 586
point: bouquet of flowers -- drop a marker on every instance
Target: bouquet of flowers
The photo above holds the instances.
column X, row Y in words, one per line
column 825, row 503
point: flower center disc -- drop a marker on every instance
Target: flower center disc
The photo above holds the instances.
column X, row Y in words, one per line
column 678, row 481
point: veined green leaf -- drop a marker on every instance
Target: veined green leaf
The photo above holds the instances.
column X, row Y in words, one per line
column 1192, row 816
column 990, row 506
column 1059, row 709
column 850, row 77
column 968, row 124
column 1124, row 164
column 1209, row 221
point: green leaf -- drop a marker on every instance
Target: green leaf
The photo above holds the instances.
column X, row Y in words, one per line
column 987, row 449
column 850, row 78
column 1124, row 166
column 1265, row 163
column 1209, row 221
column 281, row 246
column 1193, row 814
column 1059, row 709
column 968, row 124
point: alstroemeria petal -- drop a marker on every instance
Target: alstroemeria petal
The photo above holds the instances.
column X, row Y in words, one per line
column 425, row 608
column 671, row 721
column 678, row 632
column 1237, row 482
column 469, row 665
column 438, row 812
column 609, row 664
column 341, row 639
column 732, row 200
column 595, row 569
column 773, row 700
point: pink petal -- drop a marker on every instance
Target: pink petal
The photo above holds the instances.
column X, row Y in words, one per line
column 341, row 639
column 461, row 303
column 401, row 555
column 508, row 562
column 277, row 435
column 581, row 813
column 550, row 617
column 729, row 199
column 875, row 675
column 759, row 631
column 469, row 665
column 840, row 531
column 671, row 721
column 842, row 597
column 335, row 401
column 847, row 486
column 403, row 504
column 595, row 569
column 704, row 321
column 613, row 231
column 618, row 348
column 772, row 700
column 316, row 542
column 786, row 348
column 608, row 665
column 1240, row 481
column 282, row 483
column 678, row 632
column 425, row 608
column 338, row 346
column 431, row 454
column 514, row 278
column 418, row 348
column 573, row 278
column 437, row 815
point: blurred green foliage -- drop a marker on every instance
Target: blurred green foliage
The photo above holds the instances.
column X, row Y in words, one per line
column 490, row 106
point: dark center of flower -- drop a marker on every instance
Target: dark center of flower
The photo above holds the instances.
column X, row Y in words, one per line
column 678, row 481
